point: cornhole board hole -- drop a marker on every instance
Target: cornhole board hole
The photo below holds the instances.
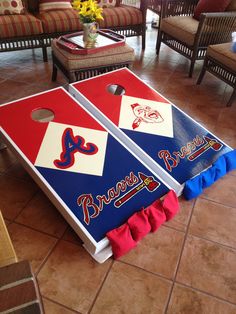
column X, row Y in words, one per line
column 176, row 147
column 82, row 167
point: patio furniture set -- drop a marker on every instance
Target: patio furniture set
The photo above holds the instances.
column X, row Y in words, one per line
column 35, row 25
column 183, row 26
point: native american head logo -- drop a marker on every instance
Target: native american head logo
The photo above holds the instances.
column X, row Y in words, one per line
column 145, row 114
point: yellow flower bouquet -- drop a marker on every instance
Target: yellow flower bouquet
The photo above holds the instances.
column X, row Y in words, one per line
column 88, row 10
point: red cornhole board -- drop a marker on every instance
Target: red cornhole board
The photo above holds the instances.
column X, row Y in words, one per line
column 87, row 173
column 176, row 147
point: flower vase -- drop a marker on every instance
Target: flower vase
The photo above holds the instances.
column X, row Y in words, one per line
column 90, row 32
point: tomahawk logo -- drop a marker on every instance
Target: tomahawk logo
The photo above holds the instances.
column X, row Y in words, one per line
column 210, row 143
column 192, row 150
column 70, row 145
column 93, row 206
column 148, row 183
column 145, row 114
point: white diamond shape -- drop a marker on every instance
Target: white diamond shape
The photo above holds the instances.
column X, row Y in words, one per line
column 51, row 148
column 161, row 125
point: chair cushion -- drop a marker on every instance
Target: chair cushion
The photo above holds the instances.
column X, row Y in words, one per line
column 121, row 16
column 231, row 6
column 183, row 28
column 11, row 7
column 210, row 6
column 60, row 21
column 19, row 25
column 111, row 56
column 223, row 54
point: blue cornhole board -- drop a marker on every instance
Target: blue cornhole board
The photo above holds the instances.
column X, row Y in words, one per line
column 175, row 146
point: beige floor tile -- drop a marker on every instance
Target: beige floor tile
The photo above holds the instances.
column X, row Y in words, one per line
column 17, row 88
column 158, row 252
column 14, row 195
column 4, row 98
column 233, row 173
column 6, row 159
column 30, row 245
column 53, row 308
column 43, row 74
column 71, row 236
column 228, row 135
column 180, row 221
column 207, row 222
column 71, row 277
column 128, row 289
column 8, row 71
column 209, row 267
column 223, row 191
column 7, row 222
column 227, row 117
column 205, row 117
column 17, row 171
column 188, row 301
column 40, row 214
column 171, row 91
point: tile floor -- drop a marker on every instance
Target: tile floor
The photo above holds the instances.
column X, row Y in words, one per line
column 188, row 266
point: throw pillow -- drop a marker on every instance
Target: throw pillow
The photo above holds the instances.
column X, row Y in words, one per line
column 48, row 5
column 204, row 6
column 106, row 3
column 11, row 7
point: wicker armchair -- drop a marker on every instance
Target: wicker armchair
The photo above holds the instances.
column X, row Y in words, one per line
column 190, row 37
column 220, row 61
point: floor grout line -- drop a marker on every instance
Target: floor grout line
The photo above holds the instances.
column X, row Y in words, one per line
column 46, row 257
column 205, row 292
column 100, row 288
column 26, row 204
column 45, row 261
column 147, row 271
column 212, row 241
column 49, row 253
column 62, row 305
column 37, row 230
column 179, row 260
column 215, row 202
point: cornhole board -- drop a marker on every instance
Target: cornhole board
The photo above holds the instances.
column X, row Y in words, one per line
column 175, row 146
column 94, row 180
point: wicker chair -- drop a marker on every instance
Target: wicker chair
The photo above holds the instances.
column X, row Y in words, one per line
column 190, row 37
column 220, row 60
